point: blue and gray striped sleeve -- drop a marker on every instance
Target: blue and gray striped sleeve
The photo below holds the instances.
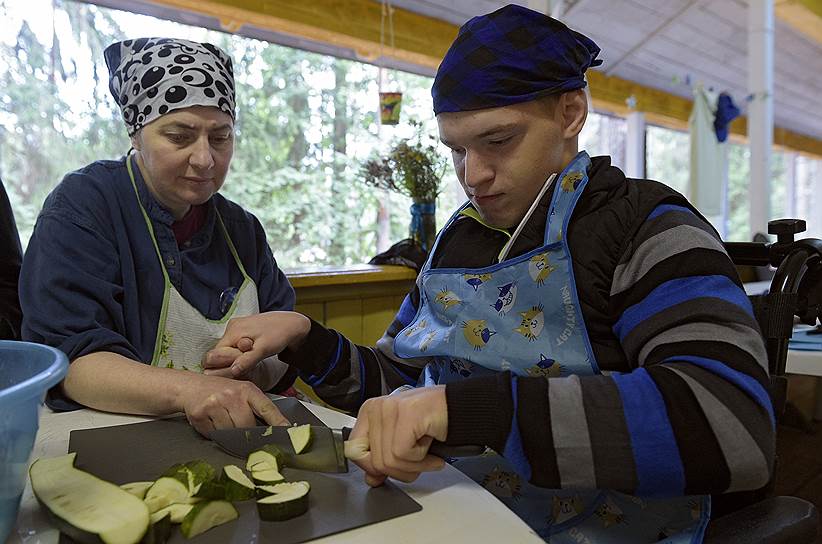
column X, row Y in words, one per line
column 692, row 414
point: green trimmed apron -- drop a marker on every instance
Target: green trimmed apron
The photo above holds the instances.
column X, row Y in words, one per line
column 184, row 335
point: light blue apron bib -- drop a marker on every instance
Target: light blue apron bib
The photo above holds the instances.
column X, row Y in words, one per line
column 523, row 315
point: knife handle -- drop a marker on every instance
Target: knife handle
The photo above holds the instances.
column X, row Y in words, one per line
column 440, row 449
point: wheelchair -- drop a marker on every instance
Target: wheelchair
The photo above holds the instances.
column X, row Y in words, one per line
column 795, row 290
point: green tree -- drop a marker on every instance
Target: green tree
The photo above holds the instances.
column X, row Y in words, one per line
column 305, row 122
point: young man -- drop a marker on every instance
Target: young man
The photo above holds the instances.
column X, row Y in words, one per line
column 598, row 341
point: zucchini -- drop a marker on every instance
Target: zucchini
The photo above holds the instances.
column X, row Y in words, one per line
column 84, row 507
column 265, row 477
column 236, row 484
column 192, row 474
column 300, row 436
column 267, row 457
column 267, row 431
column 207, row 515
column 288, row 500
column 164, row 492
column 175, row 512
column 138, row 489
column 211, row 490
column 160, row 530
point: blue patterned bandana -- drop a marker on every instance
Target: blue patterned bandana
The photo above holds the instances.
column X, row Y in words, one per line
column 150, row 77
column 510, row 56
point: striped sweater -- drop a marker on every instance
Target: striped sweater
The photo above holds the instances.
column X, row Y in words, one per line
column 682, row 405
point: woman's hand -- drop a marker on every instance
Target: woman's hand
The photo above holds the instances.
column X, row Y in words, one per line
column 250, row 339
column 393, row 434
column 212, row 402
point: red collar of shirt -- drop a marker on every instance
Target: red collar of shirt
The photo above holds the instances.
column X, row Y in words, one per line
column 188, row 226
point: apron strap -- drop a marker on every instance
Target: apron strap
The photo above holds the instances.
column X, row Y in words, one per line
column 147, row 219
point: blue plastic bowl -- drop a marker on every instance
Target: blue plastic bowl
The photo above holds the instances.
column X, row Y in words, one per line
column 26, row 371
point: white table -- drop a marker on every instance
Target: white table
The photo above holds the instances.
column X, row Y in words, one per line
column 808, row 363
column 454, row 508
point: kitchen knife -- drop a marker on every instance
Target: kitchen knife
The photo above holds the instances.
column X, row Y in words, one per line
column 325, row 453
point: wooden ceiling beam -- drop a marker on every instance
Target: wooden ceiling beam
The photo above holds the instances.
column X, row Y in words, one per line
column 804, row 16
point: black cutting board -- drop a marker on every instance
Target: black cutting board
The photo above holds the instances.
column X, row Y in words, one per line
column 142, row 451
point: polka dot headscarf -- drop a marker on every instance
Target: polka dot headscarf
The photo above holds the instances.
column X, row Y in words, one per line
column 150, row 77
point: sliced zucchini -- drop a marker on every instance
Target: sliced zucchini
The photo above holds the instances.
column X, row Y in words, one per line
column 84, row 507
column 193, row 474
column 207, row 515
column 214, row 489
column 267, row 457
column 138, row 489
column 160, row 530
column 166, row 491
column 176, row 512
column 300, row 436
column 236, row 484
column 288, row 500
column 268, row 431
column 266, row 477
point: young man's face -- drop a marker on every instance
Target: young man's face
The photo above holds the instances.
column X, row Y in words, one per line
column 503, row 156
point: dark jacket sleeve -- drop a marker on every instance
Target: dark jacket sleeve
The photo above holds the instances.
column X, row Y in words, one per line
column 345, row 374
column 11, row 256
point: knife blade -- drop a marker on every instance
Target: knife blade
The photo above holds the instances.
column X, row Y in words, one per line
column 326, row 453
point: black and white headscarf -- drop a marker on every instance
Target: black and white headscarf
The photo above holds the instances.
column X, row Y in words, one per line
column 150, row 77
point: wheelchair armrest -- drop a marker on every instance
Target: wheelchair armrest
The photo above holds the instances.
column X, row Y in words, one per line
column 776, row 520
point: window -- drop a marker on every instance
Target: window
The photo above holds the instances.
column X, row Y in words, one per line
column 782, row 176
column 604, row 134
column 781, row 164
column 808, row 194
column 667, row 155
column 305, row 123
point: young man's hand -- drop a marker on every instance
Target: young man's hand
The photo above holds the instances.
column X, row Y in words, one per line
column 393, row 434
column 250, row 339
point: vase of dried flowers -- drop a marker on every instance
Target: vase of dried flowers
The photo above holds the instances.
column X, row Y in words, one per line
column 414, row 169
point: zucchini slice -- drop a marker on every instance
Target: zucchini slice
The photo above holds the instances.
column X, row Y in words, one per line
column 266, row 477
column 237, row 486
column 288, row 500
column 138, row 489
column 300, row 436
column 160, row 530
column 176, row 512
column 267, row 457
column 267, row 431
column 85, row 507
column 164, row 492
column 213, row 490
column 192, row 474
column 207, row 515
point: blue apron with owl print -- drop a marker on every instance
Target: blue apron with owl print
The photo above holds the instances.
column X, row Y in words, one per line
column 523, row 315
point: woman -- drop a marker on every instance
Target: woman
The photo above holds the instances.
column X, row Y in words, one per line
column 136, row 265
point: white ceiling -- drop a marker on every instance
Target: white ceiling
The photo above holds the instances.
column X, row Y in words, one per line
column 673, row 44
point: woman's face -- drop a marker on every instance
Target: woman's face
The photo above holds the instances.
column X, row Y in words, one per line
column 184, row 156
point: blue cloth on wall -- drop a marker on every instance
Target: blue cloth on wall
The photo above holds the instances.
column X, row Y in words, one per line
column 726, row 111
